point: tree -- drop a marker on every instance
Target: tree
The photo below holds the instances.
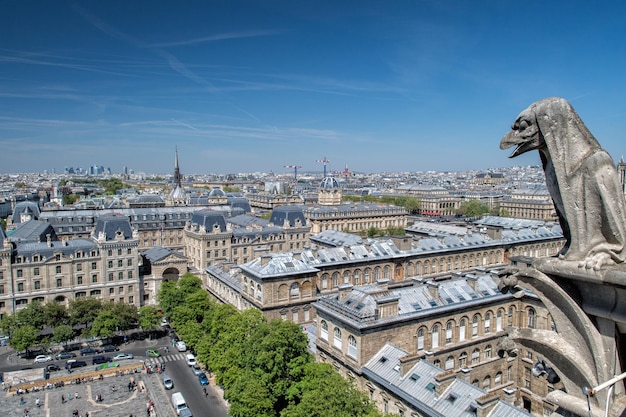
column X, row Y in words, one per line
column 126, row 314
column 9, row 323
column 32, row 315
column 473, row 208
column 24, row 337
column 69, row 199
column 62, row 334
column 105, row 324
column 249, row 396
column 55, row 314
column 323, row 392
column 148, row 318
column 83, row 311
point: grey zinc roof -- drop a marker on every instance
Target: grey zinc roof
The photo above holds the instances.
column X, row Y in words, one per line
column 3, row 236
column 22, row 207
column 291, row 214
column 210, row 219
column 277, row 265
column 33, row 231
column 67, row 248
column 417, row 387
column 111, row 225
column 157, row 253
column 336, row 238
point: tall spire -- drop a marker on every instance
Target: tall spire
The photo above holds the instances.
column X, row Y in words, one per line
column 177, row 179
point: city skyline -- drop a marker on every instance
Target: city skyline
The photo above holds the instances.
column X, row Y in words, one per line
column 246, row 86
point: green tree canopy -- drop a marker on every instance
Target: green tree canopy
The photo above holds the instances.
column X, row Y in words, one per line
column 105, row 324
column 83, row 311
column 473, row 208
column 24, row 337
column 55, row 314
column 62, row 333
column 32, row 315
column 149, row 318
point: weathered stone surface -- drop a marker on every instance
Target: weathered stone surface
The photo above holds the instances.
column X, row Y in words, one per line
column 581, row 178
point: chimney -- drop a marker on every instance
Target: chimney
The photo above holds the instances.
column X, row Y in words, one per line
column 486, row 404
column 402, row 242
column 344, row 291
column 433, row 289
column 443, row 381
column 471, row 280
column 383, row 283
column 265, row 259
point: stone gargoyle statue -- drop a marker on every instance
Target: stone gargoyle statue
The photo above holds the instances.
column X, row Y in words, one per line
column 581, row 178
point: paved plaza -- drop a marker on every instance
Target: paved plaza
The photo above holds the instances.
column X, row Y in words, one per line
column 117, row 399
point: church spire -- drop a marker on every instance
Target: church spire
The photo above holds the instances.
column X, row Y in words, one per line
column 177, row 179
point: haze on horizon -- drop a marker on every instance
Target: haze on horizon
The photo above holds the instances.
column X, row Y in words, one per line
column 251, row 86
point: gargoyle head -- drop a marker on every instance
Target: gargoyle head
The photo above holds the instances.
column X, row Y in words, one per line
column 526, row 134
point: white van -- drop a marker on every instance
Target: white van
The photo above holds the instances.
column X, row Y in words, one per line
column 178, row 401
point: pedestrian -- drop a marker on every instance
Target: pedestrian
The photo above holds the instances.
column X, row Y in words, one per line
column 76, row 395
column 62, row 399
column 37, row 403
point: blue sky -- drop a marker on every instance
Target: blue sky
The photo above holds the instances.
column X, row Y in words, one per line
column 246, row 86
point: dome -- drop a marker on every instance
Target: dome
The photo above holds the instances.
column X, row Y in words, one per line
column 329, row 183
column 217, row 192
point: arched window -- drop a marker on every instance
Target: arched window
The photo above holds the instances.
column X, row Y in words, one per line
column 386, row 272
column 462, row 329
column 449, row 331
column 475, row 321
column 475, row 356
column 488, row 352
column 376, row 273
column 499, row 316
column 498, row 379
column 346, row 277
column 511, row 315
column 531, row 318
column 366, row 276
column 437, row 363
column 487, row 382
column 420, row 338
column 435, row 337
column 357, row 277
column 259, row 293
column 449, row 363
column 337, row 340
column 487, row 322
column 352, row 346
column 324, row 330
column 335, row 279
column 463, row 360
column 294, row 290
column 324, row 281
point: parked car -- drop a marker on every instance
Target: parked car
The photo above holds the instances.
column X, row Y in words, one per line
column 109, row 348
column 164, row 322
column 167, row 382
column 121, row 356
column 73, row 363
column 152, row 353
column 88, row 351
column 181, row 346
column 65, row 355
column 190, row 359
column 98, row 359
column 52, row 367
column 43, row 358
column 202, row 378
column 196, row 369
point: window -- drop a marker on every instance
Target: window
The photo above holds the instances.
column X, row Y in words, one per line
column 79, row 280
column 449, row 327
column 129, row 251
column 335, row 280
column 129, row 262
column 36, row 272
column 120, row 275
column 449, row 363
column 531, row 318
column 119, row 252
column 488, row 352
column 130, row 274
column 352, row 346
column 94, row 265
column 20, row 286
column 435, row 337
column 498, row 379
column 475, row 325
column 120, row 290
column 324, row 330
column 94, row 278
column 475, row 356
column 462, row 330
column 487, row 322
column 130, row 288
column 499, row 320
column 337, row 340
column 58, row 269
column 324, row 281
column 463, row 360
column 79, row 267
column 111, row 291
column 346, row 277
column 20, row 273
column 294, row 290
column 59, row 282
column 420, row 339
column 119, row 263
column 110, row 276
column 110, row 263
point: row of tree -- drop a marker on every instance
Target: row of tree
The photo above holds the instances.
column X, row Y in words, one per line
column 264, row 366
column 42, row 324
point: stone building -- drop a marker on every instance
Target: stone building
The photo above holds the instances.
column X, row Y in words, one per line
column 455, row 322
column 35, row 266
column 535, row 204
column 312, row 272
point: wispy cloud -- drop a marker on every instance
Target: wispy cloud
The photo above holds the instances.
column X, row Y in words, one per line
column 217, row 37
